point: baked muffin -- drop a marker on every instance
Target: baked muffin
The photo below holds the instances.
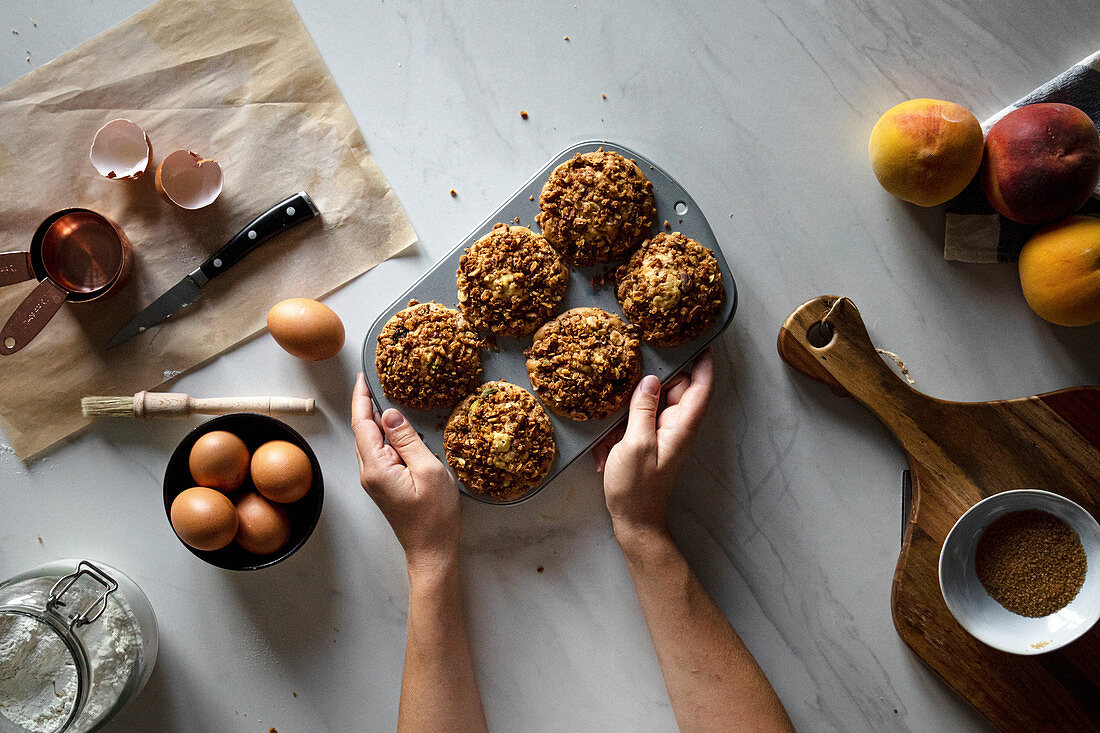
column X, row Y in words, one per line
column 510, row 281
column 596, row 207
column 671, row 289
column 584, row 364
column 428, row 356
column 500, row 441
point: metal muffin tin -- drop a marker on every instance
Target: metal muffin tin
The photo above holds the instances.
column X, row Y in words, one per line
column 674, row 204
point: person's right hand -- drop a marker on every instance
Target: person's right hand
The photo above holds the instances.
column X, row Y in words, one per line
column 641, row 468
column 415, row 491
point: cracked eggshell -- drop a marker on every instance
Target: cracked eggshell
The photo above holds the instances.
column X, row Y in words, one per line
column 121, row 150
column 188, row 180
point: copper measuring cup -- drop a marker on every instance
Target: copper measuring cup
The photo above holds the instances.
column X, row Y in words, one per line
column 77, row 255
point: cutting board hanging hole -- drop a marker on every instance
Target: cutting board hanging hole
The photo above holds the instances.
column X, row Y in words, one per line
column 820, row 334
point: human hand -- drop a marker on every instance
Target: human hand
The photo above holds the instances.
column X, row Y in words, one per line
column 640, row 463
column 414, row 490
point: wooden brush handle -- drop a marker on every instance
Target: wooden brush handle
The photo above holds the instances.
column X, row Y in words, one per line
column 157, row 404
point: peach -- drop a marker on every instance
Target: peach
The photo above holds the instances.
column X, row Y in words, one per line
column 1060, row 272
column 926, row 151
column 1042, row 162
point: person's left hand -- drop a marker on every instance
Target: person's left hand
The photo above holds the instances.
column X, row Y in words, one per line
column 415, row 491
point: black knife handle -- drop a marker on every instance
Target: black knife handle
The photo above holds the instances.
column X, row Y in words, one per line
column 280, row 217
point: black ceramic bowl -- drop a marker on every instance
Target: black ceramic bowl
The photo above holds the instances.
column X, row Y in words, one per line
column 254, row 430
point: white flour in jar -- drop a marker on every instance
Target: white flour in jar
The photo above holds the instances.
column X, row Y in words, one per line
column 38, row 678
column 37, row 675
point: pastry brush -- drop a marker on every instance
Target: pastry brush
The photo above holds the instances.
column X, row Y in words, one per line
column 174, row 404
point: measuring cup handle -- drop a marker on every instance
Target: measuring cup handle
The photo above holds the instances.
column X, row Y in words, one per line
column 31, row 316
column 15, row 267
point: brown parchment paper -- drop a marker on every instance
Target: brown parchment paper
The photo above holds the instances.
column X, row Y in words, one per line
column 240, row 82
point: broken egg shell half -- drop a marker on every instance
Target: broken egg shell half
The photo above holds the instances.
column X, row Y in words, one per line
column 121, row 150
column 188, row 180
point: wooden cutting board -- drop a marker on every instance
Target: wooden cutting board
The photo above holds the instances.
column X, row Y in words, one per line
column 959, row 453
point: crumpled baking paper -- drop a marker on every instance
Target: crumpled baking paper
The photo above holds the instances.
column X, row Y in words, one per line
column 239, row 82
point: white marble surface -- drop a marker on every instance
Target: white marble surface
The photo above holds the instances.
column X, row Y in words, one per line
column 789, row 509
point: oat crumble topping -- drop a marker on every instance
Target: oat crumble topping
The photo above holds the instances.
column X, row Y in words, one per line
column 596, row 207
column 500, row 441
column 510, row 281
column 671, row 289
column 584, row 364
column 428, row 356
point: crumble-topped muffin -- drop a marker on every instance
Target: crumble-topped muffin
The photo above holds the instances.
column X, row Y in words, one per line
column 500, row 442
column 428, row 356
column 596, row 207
column 584, row 363
column 671, row 289
column 510, row 281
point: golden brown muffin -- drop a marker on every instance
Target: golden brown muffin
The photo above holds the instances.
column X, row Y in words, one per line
column 671, row 289
column 584, row 364
column 510, row 281
column 596, row 207
column 500, row 442
column 428, row 356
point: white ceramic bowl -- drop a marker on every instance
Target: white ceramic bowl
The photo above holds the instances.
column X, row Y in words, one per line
column 989, row 621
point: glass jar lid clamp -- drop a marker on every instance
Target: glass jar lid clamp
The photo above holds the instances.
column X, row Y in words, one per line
column 96, row 608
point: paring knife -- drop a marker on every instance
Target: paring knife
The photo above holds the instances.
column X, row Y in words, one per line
column 276, row 220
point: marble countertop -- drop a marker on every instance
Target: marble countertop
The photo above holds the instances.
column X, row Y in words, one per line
column 789, row 509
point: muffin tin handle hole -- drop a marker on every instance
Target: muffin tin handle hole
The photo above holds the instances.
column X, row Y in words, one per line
column 681, row 208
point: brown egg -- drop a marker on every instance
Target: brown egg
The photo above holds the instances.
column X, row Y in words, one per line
column 219, row 460
column 281, row 471
column 263, row 527
column 306, row 329
column 204, row 518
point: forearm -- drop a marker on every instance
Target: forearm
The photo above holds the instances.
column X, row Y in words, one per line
column 712, row 679
column 439, row 690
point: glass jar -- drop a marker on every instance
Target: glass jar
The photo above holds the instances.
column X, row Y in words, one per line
column 78, row 641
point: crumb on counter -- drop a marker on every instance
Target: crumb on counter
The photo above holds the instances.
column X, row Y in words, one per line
column 668, row 225
column 604, row 96
column 454, row 193
column 294, row 694
column 567, row 38
column 517, row 220
column 523, row 113
column 540, row 568
column 14, row 32
column 530, row 198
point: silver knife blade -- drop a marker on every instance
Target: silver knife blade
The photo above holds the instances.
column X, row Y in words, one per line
column 179, row 296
